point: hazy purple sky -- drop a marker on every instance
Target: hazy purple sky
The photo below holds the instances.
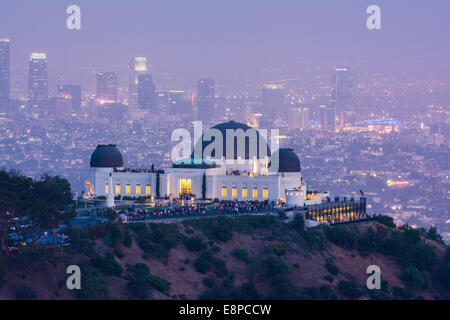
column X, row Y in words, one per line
column 195, row 37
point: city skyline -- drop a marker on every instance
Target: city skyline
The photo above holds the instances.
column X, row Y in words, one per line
column 341, row 38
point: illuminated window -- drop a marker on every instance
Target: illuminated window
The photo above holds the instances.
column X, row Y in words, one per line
column 117, row 188
column 234, row 192
column 244, row 193
column 107, row 188
column 266, row 193
column 138, row 189
column 128, row 189
column 224, row 192
column 255, row 193
column 185, row 185
column 148, row 190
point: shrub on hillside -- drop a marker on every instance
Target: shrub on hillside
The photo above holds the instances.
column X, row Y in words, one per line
column 194, row 243
column 113, row 235
column 127, row 240
column 209, row 282
column 2, row 271
column 143, row 280
column 93, row 285
column 349, row 289
column 139, row 284
column 80, row 240
column 24, row 292
column 331, row 267
column 241, row 254
column 118, row 253
column 216, row 293
column 97, row 232
column 443, row 274
column 401, row 293
column 279, row 249
column 106, row 264
column 138, row 228
column 421, row 256
column 160, row 284
column 368, row 241
column 247, row 291
column 298, row 223
column 325, row 292
column 432, row 234
column 275, row 266
column 203, row 263
column 312, row 293
column 342, row 236
column 416, row 279
column 166, row 235
column 220, row 268
column 411, row 236
column 249, row 224
column 385, row 220
column 315, row 238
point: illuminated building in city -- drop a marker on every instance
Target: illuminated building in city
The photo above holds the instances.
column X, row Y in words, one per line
column 38, row 80
column 268, row 176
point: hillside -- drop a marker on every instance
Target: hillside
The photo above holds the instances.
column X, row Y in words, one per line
column 246, row 257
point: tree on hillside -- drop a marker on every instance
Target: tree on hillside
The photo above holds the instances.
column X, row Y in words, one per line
column 16, row 194
column 40, row 201
column 52, row 194
column 204, row 186
column 158, row 182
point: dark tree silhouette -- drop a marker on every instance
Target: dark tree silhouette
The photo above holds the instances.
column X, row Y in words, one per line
column 204, row 186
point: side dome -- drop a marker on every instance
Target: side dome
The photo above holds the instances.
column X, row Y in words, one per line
column 249, row 141
column 106, row 156
column 288, row 160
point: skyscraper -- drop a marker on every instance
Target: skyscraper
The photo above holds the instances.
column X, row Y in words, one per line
column 106, row 87
column 272, row 99
column 62, row 104
column 4, row 73
column 343, row 97
column 38, row 81
column 178, row 104
column 298, row 118
column 138, row 66
column 206, row 96
column 327, row 118
column 74, row 92
column 146, row 91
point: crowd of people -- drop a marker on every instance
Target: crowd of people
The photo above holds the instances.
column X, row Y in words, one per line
column 152, row 170
column 232, row 206
column 224, row 207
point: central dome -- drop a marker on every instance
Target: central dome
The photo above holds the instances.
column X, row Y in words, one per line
column 251, row 138
column 106, row 156
column 288, row 161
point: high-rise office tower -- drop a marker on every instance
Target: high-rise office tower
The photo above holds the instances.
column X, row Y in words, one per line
column 106, row 87
column 178, row 104
column 298, row 118
column 206, row 99
column 4, row 73
column 138, row 66
column 327, row 118
column 272, row 100
column 62, row 104
column 38, row 81
column 146, row 91
column 74, row 92
column 343, row 97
